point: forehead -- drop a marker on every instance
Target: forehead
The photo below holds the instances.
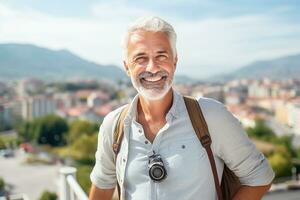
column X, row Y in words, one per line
column 148, row 40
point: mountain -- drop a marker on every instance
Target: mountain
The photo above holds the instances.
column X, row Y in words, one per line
column 280, row 68
column 24, row 60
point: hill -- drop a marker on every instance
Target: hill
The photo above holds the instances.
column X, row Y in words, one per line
column 25, row 60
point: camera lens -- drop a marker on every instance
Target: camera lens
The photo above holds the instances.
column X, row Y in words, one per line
column 157, row 172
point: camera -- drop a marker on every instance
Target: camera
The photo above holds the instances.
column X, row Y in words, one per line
column 157, row 171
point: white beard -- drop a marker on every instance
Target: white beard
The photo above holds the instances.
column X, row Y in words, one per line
column 152, row 94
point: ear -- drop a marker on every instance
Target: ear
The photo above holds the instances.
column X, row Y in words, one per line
column 126, row 68
column 175, row 61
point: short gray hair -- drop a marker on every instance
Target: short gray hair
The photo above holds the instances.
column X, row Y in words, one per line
column 151, row 23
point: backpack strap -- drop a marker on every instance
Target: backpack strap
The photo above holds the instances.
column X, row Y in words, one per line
column 118, row 136
column 199, row 125
column 201, row 130
column 119, row 132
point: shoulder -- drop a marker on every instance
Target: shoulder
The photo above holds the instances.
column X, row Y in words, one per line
column 110, row 119
column 211, row 107
column 218, row 117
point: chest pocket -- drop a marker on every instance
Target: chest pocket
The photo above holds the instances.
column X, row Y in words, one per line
column 187, row 161
column 190, row 147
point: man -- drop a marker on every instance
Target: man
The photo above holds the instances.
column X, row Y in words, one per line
column 157, row 123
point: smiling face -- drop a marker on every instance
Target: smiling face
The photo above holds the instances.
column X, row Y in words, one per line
column 150, row 63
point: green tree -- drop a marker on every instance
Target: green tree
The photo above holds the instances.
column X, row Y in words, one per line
column 287, row 142
column 46, row 195
column 84, row 148
column 2, row 143
column 81, row 127
column 261, row 131
column 26, row 131
column 281, row 162
column 2, row 184
column 51, row 130
column 83, row 177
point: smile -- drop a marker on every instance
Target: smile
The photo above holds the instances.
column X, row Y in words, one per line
column 154, row 79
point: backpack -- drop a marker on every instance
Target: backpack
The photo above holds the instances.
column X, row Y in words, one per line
column 230, row 183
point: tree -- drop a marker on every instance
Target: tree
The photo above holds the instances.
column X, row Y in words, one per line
column 2, row 143
column 83, row 177
column 84, row 148
column 51, row 130
column 46, row 195
column 2, row 184
column 281, row 162
column 26, row 131
column 81, row 127
column 287, row 142
column 261, row 131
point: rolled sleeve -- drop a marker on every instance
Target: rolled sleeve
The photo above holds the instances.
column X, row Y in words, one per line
column 103, row 174
column 230, row 142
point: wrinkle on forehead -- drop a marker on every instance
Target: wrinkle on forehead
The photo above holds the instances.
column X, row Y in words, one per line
column 143, row 41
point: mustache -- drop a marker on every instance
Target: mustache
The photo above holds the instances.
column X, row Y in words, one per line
column 149, row 74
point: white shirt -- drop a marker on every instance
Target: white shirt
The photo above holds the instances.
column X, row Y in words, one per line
column 188, row 168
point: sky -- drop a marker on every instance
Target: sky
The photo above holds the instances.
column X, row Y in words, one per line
column 213, row 37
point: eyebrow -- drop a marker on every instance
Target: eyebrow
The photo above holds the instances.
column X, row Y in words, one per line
column 139, row 54
column 162, row 52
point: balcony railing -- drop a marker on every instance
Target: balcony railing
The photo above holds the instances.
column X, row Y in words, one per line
column 69, row 187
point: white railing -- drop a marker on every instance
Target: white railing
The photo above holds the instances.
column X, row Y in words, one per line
column 69, row 187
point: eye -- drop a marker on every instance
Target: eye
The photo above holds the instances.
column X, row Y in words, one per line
column 162, row 57
column 140, row 60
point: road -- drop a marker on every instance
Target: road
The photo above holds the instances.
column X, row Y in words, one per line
column 29, row 179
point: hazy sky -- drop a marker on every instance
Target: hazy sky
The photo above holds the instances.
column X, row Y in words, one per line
column 213, row 36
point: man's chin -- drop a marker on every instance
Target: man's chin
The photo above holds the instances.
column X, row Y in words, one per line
column 153, row 95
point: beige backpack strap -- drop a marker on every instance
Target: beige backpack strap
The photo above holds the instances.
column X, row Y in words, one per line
column 119, row 132
column 201, row 129
column 118, row 136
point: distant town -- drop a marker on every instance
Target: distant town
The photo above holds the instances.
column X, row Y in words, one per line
column 276, row 102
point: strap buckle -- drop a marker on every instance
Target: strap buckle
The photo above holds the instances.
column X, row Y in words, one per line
column 205, row 141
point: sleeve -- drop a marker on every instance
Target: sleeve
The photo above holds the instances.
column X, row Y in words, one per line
column 232, row 145
column 103, row 174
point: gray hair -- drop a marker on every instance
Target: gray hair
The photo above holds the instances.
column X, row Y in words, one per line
column 151, row 23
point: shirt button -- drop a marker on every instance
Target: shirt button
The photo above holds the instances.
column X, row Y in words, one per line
column 124, row 159
column 140, row 131
column 146, row 142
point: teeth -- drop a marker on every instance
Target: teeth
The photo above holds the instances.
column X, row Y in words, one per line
column 152, row 79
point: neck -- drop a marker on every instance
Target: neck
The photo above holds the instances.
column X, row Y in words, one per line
column 155, row 110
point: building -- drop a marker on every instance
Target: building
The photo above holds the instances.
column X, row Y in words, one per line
column 6, row 116
column 294, row 116
column 38, row 106
column 214, row 92
column 97, row 98
column 65, row 100
column 29, row 87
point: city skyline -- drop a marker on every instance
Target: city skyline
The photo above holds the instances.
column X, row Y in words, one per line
column 212, row 37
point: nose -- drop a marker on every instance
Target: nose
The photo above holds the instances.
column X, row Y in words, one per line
column 152, row 66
